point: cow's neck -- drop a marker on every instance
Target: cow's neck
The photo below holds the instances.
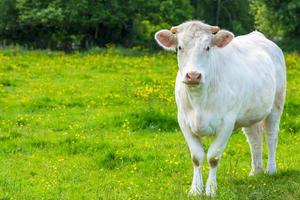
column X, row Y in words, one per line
column 202, row 96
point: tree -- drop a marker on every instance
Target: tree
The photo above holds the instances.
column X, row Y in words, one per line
column 277, row 17
column 229, row 14
column 61, row 24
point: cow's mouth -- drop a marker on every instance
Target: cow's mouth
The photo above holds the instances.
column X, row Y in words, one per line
column 191, row 84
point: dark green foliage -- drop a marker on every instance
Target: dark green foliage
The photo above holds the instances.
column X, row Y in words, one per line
column 277, row 17
column 232, row 15
column 74, row 24
column 65, row 23
column 69, row 24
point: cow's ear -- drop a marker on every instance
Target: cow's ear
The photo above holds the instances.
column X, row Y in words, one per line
column 222, row 38
column 166, row 39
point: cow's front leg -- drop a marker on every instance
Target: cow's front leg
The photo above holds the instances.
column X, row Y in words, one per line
column 198, row 156
column 214, row 156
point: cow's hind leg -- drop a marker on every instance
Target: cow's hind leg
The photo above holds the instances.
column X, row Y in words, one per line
column 272, row 129
column 254, row 138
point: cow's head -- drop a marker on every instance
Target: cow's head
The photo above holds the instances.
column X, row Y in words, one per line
column 193, row 41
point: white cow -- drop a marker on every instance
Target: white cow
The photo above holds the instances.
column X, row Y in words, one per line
column 224, row 83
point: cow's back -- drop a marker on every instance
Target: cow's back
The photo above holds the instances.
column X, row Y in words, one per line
column 258, row 43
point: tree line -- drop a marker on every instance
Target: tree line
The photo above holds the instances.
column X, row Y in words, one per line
column 69, row 24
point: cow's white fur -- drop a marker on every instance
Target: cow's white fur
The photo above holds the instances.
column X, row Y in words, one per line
column 242, row 85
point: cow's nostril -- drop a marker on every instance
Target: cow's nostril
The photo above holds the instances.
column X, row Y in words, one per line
column 199, row 76
column 188, row 76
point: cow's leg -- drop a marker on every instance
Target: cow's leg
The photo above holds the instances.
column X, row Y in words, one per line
column 198, row 156
column 214, row 156
column 272, row 129
column 254, row 138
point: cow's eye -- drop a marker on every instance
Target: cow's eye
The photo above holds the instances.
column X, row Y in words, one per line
column 207, row 48
column 179, row 48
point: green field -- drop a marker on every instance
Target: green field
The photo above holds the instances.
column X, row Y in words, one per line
column 102, row 125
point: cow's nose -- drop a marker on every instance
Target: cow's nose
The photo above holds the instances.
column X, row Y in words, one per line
column 193, row 78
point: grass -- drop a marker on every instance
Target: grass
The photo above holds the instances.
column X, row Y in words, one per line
column 102, row 125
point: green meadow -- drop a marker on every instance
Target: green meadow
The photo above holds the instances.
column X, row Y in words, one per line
column 102, row 125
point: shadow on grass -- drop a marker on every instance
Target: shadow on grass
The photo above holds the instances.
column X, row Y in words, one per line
column 144, row 120
column 152, row 121
column 283, row 185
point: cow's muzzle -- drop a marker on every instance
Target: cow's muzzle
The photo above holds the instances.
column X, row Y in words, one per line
column 192, row 78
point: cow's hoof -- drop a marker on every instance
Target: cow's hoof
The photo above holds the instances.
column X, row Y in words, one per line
column 195, row 191
column 211, row 189
column 251, row 173
column 271, row 170
column 255, row 172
